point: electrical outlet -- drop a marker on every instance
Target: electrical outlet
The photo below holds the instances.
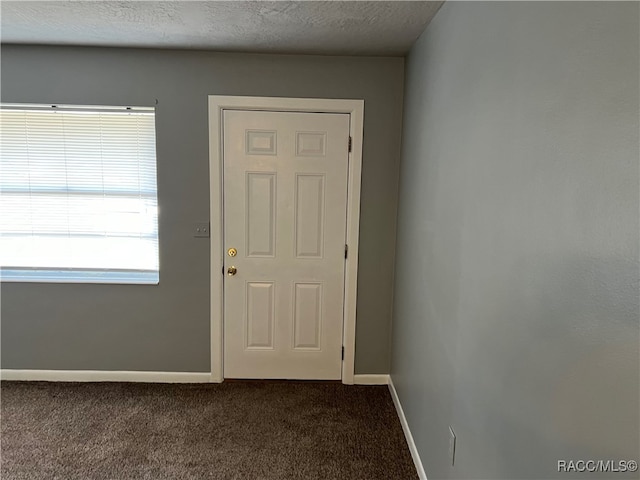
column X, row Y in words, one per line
column 201, row 230
column 452, row 446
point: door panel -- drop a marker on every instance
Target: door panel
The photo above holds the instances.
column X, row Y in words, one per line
column 259, row 315
column 285, row 192
column 307, row 315
column 261, row 214
column 309, row 216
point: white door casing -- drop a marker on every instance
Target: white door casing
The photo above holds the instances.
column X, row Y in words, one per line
column 285, row 200
column 307, row 292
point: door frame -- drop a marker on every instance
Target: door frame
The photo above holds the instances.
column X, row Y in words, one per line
column 355, row 109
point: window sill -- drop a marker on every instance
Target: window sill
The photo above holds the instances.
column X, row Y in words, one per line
column 127, row 277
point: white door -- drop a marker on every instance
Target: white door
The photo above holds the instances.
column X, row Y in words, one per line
column 285, row 197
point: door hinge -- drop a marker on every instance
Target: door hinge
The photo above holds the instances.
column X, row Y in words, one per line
column 346, row 251
column 343, row 353
column 350, row 142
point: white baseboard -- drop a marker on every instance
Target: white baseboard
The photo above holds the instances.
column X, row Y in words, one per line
column 371, row 379
column 105, row 376
column 407, row 432
column 139, row 376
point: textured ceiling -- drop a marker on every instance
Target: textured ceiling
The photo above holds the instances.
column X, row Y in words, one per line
column 333, row 27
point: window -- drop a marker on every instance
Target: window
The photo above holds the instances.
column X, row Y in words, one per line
column 78, row 194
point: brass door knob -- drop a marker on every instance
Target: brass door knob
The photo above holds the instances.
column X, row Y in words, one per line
column 231, row 271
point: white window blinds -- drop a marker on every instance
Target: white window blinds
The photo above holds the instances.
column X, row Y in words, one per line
column 78, row 194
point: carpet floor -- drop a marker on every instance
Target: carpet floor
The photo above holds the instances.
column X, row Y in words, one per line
column 233, row 430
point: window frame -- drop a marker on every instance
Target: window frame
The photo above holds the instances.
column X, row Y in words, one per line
column 90, row 275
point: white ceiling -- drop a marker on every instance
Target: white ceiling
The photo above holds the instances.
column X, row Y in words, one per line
column 330, row 27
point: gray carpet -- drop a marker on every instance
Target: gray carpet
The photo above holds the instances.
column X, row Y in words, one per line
column 234, row 430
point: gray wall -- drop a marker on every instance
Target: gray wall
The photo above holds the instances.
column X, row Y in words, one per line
column 516, row 286
column 166, row 327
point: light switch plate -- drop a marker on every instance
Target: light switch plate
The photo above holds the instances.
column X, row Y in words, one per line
column 201, row 230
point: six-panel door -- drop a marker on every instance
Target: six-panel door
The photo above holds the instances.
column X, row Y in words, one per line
column 285, row 193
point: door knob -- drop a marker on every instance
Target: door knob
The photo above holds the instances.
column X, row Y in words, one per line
column 231, row 271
